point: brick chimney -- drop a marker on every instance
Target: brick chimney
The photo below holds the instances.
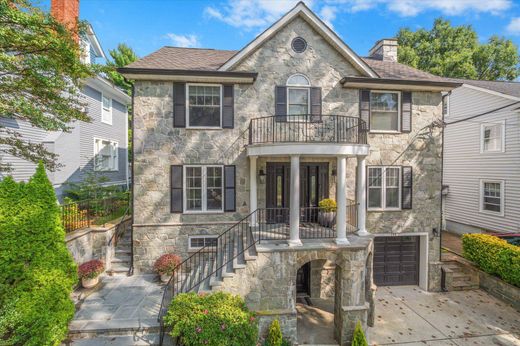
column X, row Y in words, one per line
column 384, row 49
column 66, row 12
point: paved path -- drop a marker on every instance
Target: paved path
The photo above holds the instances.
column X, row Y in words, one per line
column 406, row 315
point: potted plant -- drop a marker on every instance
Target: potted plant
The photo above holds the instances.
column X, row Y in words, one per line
column 89, row 273
column 327, row 212
column 165, row 265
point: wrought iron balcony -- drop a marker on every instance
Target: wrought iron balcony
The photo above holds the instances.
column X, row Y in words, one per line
column 308, row 129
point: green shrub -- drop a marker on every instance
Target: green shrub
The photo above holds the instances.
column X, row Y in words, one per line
column 358, row 338
column 274, row 337
column 327, row 205
column 218, row 319
column 37, row 272
column 493, row 255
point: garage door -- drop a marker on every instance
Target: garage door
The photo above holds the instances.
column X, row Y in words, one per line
column 396, row 261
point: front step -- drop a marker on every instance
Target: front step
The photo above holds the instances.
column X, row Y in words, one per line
column 458, row 277
column 130, row 340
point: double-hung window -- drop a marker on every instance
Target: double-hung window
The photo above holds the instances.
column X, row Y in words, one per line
column 106, row 112
column 203, row 188
column 204, row 105
column 384, row 188
column 385, row 111
column 492, row 196
column 298, row 96
column 492, row 137
column 105, row 155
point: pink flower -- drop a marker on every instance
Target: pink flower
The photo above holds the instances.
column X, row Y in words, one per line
column 205, row 312
column 251, row 319
column 223, row 327
column 198, row 330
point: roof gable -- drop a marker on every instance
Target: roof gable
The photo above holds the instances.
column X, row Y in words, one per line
column 317, row 24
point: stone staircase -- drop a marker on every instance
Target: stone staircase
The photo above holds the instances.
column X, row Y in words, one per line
column 458, row 277
column 121, row 260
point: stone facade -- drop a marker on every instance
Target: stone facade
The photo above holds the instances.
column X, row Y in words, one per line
column 90, row 243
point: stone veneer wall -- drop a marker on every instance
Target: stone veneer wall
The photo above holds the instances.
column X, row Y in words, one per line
column 90, row 243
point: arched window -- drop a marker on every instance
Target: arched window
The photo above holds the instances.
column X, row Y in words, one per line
column 298, row 94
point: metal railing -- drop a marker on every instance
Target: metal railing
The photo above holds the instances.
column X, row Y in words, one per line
column 308, row 129
column 218, row 256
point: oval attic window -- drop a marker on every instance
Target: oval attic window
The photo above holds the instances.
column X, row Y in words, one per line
column 299, row 45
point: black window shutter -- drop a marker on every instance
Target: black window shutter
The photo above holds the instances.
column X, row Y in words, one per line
column 406, row 111
column 315, row 104
column 407, row 181
column 229, row 188
column 179, row 105
column 364, row 106
column 280, row 99
column 176, row 181
column 228, row 118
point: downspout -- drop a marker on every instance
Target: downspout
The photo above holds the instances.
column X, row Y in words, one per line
column 131, row 270
column 442, row 178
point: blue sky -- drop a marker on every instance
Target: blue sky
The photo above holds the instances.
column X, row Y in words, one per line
column 147, row 25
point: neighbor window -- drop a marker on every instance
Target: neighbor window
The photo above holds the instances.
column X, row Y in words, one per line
column 384, row 188
column 492, row 137
column 105, row 155
column 298, row 95
column 204, row 105
column 384, row 111
column 203, row 188
column 492, row 196
column 106, row 114
column 199, row 241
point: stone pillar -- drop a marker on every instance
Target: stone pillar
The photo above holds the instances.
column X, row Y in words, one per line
column 252, row 188
column 341, row 201
column 361, row 176
column 295, row 202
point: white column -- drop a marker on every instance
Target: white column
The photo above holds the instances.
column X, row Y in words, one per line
column 341, row 201
column 252, row 188
column 361, row 176
column 294, row 222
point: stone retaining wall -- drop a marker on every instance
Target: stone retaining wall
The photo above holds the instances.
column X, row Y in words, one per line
column 500, row 289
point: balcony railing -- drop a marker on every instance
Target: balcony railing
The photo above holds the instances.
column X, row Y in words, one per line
column 308, row 129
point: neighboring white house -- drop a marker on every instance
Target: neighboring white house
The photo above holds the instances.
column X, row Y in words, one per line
column 100, row 145
column 482, row 157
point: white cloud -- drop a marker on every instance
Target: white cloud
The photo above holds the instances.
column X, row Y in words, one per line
column 514, row 26
column 328, row 14
column 187, row 41
column 251, row 14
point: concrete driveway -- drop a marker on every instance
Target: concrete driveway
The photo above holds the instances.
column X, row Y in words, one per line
column 406, row 315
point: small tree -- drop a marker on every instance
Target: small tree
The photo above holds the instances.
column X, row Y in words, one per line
column 37, row 273
column 274, row 337
column 359, row 336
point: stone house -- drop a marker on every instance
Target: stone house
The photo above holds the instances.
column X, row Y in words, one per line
column 234, row 150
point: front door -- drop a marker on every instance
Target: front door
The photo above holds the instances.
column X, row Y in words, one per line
column 314, row 186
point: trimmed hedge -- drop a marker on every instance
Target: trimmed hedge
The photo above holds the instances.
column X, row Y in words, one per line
column 37, row 272
column 217, row 319
column 494, row 256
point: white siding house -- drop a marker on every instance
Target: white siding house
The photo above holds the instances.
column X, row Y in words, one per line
column 482, row 157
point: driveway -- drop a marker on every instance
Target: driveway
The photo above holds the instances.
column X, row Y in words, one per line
column 406, row 315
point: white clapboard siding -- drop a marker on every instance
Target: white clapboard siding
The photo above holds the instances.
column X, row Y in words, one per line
column 464, row 165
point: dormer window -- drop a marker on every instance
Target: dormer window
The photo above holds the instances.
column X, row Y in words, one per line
column 298, row 95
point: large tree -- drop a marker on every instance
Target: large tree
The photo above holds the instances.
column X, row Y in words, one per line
column 40, row 75
column 455, row 51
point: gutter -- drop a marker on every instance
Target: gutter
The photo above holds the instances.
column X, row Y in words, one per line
column 139, row 73
column 400, row 84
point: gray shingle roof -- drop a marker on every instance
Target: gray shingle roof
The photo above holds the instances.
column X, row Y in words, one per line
column 395, row 70
column 507, row 88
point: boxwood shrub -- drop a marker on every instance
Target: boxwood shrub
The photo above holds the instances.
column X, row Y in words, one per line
column 493, row 255
column 217, row 319
column 37, row 273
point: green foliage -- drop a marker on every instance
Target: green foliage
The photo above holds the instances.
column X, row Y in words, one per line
column 274, row 337
column 41, row 74
column 358, row 338
column 327, row 205
column 493, row 255
column 37, row 272
column 455, row 51
column 218, row 319
column 92, row 187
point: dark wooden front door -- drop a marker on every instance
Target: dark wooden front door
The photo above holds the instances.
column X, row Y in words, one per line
column 396, row 261
column 314, row 186
column 303, row 283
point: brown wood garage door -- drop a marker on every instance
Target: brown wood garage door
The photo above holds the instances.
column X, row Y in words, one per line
column 396, row 261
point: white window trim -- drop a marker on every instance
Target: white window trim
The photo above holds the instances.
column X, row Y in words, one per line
column 109, row 111
column 502, row 149
column 383, row 187
column 196, row 248
column 502, row 197
column 398, row 111
column 116, row 169
column 446, row 97
column 204, row 196
column 298, row 87
column 188, row 106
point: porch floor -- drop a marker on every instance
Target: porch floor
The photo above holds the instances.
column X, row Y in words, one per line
column 316, row 322
column 308, row 230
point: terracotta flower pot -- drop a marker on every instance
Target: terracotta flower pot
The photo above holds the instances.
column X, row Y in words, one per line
column 165, row 277
column 89, row 283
